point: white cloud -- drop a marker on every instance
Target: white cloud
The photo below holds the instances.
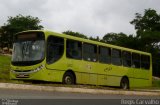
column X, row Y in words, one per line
column 91, row 17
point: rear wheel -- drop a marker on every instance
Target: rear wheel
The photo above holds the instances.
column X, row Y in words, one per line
column 68, row 78
column 124, row 83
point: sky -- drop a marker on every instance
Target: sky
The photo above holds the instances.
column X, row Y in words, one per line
column 90, row 17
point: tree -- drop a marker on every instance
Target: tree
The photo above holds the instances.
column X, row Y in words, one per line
column 119, row 39
column 149, row 21
column 148, row 27
column 95, row 39
column 110, row 38
column 17, row 24
column 77, row 34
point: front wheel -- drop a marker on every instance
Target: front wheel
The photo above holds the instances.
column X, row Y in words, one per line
column 124, row 83
column 68, row 78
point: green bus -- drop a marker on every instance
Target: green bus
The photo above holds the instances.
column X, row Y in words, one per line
column 49, row 56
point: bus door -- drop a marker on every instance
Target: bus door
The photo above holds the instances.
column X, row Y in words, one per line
column 55, row 57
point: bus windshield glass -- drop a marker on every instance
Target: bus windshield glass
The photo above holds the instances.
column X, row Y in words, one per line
column 28, row 49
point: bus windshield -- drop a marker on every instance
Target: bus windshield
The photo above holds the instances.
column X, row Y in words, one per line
column 28, row 52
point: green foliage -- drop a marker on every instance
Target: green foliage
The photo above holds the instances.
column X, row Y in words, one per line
column 120, row 39
column 4, row 67
column 77, row 34
column 150, row 21
column 21, row 23
column 148, row 27
column 5, row 60
column 95, row 39
column 17, row 24
column 114, row 38
column 156, row 84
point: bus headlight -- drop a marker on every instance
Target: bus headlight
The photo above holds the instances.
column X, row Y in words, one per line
column 12, row 71
column 38, row 68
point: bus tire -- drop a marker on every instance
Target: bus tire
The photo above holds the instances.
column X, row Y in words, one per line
column 124, row 83
column 68, row 78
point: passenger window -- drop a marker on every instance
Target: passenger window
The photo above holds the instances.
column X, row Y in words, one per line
column 89, row 52
column 145, row 62
column 126, row 58
column 55, row 49
column 74, row 49
column 104, row 55
column 116, row 57
column 135, row 60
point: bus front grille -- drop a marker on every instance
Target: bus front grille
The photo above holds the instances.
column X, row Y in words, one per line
column 22, row 76
column 20, row 71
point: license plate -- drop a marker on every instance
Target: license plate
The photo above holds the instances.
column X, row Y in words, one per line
column 22, row 76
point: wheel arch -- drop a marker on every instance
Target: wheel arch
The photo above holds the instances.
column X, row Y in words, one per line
column 125, row 77
column 72, row 72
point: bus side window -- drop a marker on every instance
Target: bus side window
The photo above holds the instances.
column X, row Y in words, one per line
column 145, row 62
column 104, row 55
column 116, row 57
column 126, row 58
column 89, row 52
column 55, row 49
column 135, row 60
column 74, row 49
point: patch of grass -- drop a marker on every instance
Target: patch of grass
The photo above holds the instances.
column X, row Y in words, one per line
column 5, row 59
column 4, row 67
column 156, row 84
